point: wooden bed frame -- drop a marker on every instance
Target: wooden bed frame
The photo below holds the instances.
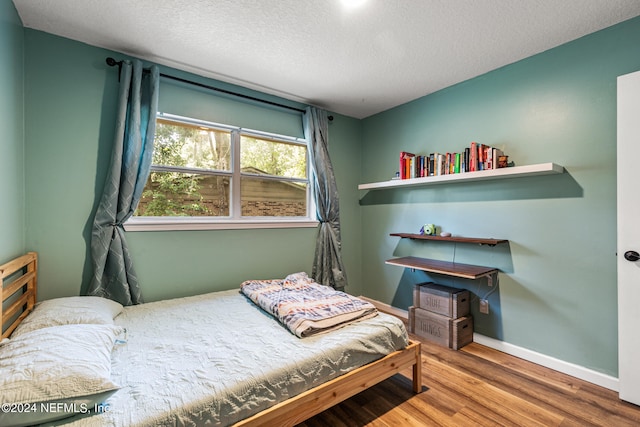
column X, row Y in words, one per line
column 19, row 296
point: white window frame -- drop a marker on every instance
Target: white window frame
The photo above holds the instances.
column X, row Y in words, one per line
column 235, row 220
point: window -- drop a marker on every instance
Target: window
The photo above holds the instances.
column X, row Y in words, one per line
column 208, row 175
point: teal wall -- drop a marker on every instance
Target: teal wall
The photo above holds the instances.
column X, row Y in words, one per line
column 70, row 112
column 12, row 190
column 557, row 293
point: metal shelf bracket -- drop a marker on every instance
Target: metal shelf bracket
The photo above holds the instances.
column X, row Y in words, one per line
column 492, row 278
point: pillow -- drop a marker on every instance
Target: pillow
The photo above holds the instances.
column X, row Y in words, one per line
column 55, row 372
column 296, row 279
column 69, row 311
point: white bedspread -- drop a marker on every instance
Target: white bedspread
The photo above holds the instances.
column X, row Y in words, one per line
column 217, row 358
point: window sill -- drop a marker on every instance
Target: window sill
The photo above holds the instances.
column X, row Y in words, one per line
column 190, row 224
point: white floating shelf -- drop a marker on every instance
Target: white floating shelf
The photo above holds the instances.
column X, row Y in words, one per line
column 513, row 172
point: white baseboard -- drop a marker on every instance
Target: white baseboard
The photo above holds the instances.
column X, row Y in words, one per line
column 585, row 374
column 386, row 308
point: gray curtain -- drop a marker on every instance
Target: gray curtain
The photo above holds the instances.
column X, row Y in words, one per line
column 328, row 268
column 113, row 273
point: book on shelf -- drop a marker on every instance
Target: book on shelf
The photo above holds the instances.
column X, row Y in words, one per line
column 484, row 157
column 413, row 166
column 467, row 152
column 496, row 153
column 475, row 157
column 439, row 164
column 482, row 152
column 432, row 163
column 473, row 160
column 405, row 164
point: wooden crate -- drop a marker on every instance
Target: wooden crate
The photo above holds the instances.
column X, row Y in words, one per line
column 461, row 332
column 445, row 300
column 439, row 329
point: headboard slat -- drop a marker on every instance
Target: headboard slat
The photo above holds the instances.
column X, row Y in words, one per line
column 14, row 308
column 16, row 264
column 14, row 286
column 20, row 293
column 15, row 324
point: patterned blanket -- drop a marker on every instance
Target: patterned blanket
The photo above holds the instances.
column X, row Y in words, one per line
column 305, row 307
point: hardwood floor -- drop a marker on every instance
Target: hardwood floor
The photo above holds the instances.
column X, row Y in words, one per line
column 479, row 386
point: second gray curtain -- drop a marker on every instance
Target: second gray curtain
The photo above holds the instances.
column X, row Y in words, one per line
column 328, row 268
column 113, row 273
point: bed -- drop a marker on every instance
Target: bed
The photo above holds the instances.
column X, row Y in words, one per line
column 246, row 369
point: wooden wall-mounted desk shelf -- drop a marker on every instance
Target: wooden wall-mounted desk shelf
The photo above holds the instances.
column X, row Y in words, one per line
column 455, row 269
column 456, row 239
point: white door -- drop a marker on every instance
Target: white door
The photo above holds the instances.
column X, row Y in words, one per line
column 629, row 236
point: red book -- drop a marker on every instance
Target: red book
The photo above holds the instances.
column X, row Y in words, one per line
column 482, row 151
column 473, row 160
column 405, row 164
column 402, row 171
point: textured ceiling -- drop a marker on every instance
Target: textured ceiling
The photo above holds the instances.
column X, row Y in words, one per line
column 353, row 61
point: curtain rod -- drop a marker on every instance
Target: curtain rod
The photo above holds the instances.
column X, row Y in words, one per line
column 112, row 62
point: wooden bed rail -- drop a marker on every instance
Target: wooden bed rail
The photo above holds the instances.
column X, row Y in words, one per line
column 18, row 295
column 307, row 404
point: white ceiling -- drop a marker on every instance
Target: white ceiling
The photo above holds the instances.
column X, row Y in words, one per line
column 353, row 61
